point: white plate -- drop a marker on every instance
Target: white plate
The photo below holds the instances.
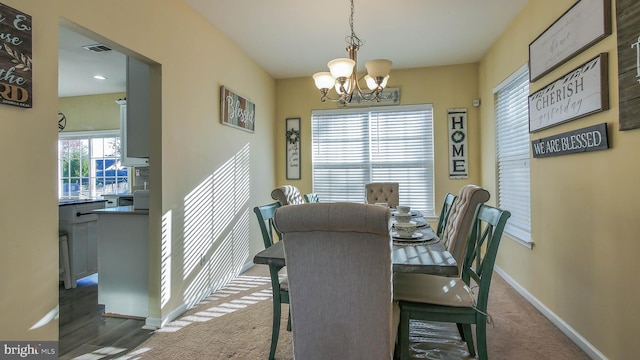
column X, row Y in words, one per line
column 420, row 223
column 416, row 235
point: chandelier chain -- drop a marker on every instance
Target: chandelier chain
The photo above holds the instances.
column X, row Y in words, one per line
column 353, row 39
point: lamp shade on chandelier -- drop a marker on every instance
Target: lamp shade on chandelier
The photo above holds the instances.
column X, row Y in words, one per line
column 342, row 75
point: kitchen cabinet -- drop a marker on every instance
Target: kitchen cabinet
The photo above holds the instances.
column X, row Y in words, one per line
column 123, row 261
column 115, row 200
column 137, row 110
column 126, row 139
column 81, row 225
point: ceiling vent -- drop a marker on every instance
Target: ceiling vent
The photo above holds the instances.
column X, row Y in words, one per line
column 97, row 48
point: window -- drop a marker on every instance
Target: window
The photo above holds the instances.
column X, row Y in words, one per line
column 89, row 164
column 352, row 147
column 512, row 151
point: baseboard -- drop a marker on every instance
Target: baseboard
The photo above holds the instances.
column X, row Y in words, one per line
column 157, row 323
column 570, row 332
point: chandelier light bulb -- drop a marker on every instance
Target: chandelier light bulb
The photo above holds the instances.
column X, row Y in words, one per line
column 341, row 67
column 324, row 80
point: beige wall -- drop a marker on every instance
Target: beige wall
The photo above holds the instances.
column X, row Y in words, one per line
column 92, row 112
column 445, row 87
column 189, row 153
column 584, row 206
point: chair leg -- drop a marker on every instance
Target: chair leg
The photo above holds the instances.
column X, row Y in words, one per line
column 468, row 337
column 461, row 331
column 289, row 321
column 275, row 331
column 403, row 336
column 481, row 338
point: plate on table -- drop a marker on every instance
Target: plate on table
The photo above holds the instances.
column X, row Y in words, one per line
column 420, row 223
column 416, row 236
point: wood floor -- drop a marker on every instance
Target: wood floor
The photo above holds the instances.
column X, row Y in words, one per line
column 85, row 330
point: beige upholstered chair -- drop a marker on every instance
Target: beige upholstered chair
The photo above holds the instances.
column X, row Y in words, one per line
column 338, row 257
column 456, row 231
column 287, row 195
column 383, row 192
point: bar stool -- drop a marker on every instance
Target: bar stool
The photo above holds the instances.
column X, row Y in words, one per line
column 64, row 266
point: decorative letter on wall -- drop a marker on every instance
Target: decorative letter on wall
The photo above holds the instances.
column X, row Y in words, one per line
column 16, row 81
column 458, row 163
column 293, row 148
column 628, row 15
column 236, row 111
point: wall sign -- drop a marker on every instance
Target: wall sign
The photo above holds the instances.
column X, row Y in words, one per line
column 236, row 111
column 579, row 93
column 458, row 162
column 15, row 58
column 591, row 138
column 628, row 23
column 388, row 96
column 584, row 24
column 293, row 148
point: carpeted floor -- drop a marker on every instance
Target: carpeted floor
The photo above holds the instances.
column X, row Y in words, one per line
column 235, row 323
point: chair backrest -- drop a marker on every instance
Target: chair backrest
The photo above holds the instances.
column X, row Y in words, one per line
column 338, row 259
column 265, row 215
column 287, row 195
column 458, row 225
column 383, row 192
column 449, row 198
column 311, row 198
column 482, row 249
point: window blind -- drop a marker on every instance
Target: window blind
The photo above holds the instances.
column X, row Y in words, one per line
column 352, row 147
column 512, row 151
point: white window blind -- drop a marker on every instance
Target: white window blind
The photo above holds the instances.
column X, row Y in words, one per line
column 513, row 157
column 352, row 147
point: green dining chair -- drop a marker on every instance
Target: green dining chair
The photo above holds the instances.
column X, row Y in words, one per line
column 280, row 288
column 449, row 198
column 454, row 300
column 311, row 198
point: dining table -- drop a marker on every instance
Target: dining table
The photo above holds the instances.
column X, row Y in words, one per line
column 425, row 257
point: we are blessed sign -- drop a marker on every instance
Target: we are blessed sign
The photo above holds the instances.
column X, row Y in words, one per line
column 15, row 58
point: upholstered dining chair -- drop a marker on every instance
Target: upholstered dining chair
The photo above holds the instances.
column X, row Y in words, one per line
column 383, row 192
column 280, row 288
column 287, row 195
column 311, row 198
column 455, row 300
column 456, row 231
column 449, row 198
column 338, row 258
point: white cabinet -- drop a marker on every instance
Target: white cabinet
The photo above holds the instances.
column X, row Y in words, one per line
column 81, row 226
column 123, row 261
column 115, row 200
column 126, row 139
column 138, row 108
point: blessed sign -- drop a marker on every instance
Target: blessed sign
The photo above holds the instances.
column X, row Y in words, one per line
column 236, row 110
column 15, row 58
column 581, row 92
column 591, row 138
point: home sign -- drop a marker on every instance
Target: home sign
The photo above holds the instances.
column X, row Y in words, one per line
column 15, row 58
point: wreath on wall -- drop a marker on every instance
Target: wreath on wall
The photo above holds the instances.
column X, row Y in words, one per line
column 293, row 137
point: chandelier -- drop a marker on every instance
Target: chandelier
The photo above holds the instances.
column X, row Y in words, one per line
column 342, row 74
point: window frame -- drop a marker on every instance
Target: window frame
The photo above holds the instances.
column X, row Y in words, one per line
column 518, row 227
column 89, row 135
column 366, row 143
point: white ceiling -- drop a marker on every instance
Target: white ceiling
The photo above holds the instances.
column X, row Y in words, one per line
column 294, row 38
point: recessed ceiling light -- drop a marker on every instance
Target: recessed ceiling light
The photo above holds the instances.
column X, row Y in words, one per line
column 99, row 77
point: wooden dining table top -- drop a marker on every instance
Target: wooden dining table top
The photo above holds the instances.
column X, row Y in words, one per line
column 409, row 257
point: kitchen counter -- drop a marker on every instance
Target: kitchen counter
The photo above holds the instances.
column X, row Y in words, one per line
column 73, row 201
column 123, row 261
column 122, row 210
